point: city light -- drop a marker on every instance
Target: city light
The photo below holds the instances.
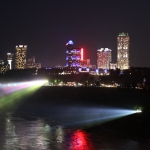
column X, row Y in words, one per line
column 70, row 42
column 139, row 110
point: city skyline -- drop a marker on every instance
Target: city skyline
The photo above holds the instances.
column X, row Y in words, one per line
column 45, row 27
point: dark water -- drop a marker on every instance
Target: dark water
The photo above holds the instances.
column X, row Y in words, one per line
column 38, row 124
column 28, row 131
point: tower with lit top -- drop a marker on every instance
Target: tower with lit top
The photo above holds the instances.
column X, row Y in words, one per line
column 123, row 55
column 9, row 59
column 20, row 56
column 73, row 55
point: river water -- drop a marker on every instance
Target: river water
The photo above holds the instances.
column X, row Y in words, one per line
column 30, row 131
column 38, row 122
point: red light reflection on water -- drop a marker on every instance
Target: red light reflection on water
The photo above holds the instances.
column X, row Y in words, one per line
column 80, row 141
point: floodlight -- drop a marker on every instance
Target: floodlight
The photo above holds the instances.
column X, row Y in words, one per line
column 139, row 111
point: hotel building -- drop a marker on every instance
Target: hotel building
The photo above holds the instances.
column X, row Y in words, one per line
column 123, row 55
column 103, row 58
column 20, row 56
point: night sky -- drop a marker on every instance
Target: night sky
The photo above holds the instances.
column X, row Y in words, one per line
column 45, row 26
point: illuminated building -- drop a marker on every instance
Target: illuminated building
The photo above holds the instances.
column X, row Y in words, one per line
column 32, row 64
column 73, row 55
column 4, row 68
column 103, row 58
column 113, row 66
column 85, row 63
column 20, row 56
column 123, row 57
column 9, row 59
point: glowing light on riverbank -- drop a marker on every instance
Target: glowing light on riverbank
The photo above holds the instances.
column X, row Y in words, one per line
column 90, row 116
column 10, row 93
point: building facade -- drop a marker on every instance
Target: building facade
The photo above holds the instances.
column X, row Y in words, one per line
column 123, row 53
column 20, row 56
column 113, row 66
column 103, row 58
column 73, row 55
column 4, row 67
column 32, row 64
column 85, row 63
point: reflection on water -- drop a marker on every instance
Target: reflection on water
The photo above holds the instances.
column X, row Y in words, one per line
column 80, row 140
column 24, row 131
column 27, row 132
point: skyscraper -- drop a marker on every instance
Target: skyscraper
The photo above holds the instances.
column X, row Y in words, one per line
column 20, row 56
column 103, row 58
column 123, row 55
column 73, row 55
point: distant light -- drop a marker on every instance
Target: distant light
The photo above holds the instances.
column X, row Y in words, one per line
column 20, row 45
column 87, row 69
column 70, row 42
column 105, row 70
column 139, row 111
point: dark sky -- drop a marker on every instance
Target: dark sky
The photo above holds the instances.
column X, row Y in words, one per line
column 47, row 25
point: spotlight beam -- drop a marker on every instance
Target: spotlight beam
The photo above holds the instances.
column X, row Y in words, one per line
column 24, row 89
column 99, row 120
column 86, row 116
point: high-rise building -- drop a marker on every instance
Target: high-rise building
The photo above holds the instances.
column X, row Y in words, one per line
column 73, row 55
column 3, row 67
column 103, row 58
column 9, row 59
column 123, row 55
column 20, row 56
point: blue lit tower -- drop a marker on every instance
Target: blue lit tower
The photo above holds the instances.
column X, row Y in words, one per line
column 73, row 55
